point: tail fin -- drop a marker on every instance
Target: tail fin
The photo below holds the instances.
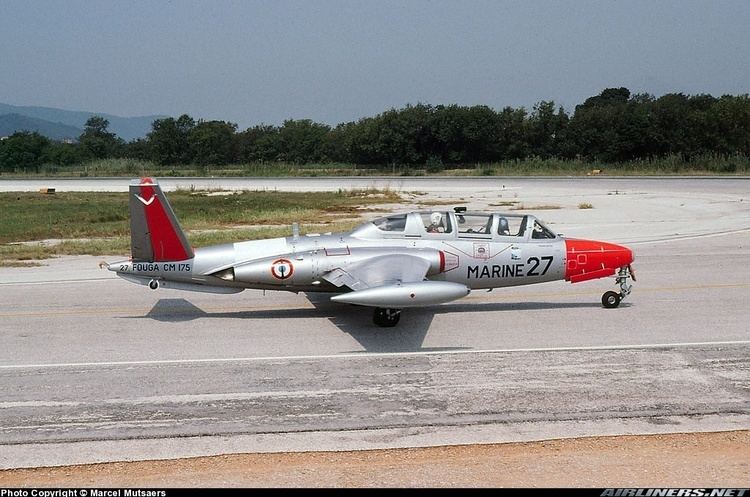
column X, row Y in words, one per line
column 155, row 234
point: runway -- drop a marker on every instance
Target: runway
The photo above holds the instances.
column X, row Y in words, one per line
column 695, row 184
column 94, row 368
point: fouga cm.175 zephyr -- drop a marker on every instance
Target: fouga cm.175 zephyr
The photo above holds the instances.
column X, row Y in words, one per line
column 391, row 263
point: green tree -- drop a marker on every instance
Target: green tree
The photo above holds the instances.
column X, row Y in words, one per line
column 23, row 151
column 339, row 143
column 61, row 154
column 302, row 141
column 212, row 142
column 168, row 140
column 360, row 139
column 510, row 135
column 259, row 144
column 137, row 149
column 671, row 132
column 401, row 135
column 732, row 115
column 96, row 141
column 547, row 130
column 608, row 97
column 479, row 137
column 613, row 127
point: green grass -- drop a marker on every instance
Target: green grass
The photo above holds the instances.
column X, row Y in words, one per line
column 11, row 254
column 531, row 166
column 31, row 216
column 207, row 219
column 672, row 165
column 203, row 239
column 140, row 168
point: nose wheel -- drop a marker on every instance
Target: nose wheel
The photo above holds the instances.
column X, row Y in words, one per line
column 611, row 299
column 387, row 318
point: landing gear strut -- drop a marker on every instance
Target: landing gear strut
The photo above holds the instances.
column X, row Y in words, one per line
column 386, row 318
column 611, row 299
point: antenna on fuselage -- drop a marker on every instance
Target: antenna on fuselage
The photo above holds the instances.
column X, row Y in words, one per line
column 295, row 231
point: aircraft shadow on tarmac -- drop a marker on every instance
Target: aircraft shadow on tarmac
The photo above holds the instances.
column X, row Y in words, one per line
column 407, row 336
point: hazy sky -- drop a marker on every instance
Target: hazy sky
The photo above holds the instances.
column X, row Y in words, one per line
column 333, row 61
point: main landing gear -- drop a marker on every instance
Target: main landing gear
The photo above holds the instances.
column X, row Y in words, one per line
column 611, row 299
column 386, row 318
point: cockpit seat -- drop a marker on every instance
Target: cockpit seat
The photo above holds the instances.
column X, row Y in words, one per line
column 503, row 228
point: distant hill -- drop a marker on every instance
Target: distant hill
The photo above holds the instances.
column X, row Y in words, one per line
column 10, row 123
column 127, row 128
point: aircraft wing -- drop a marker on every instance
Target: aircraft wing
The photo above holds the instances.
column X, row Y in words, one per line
column 392, row 281
column 379, row 271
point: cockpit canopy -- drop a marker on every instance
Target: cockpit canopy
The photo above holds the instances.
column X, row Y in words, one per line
column 462, row 225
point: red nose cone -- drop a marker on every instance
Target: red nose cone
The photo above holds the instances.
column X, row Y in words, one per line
column 589, row 259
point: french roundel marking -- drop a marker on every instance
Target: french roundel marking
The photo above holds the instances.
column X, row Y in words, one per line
column 282, row 269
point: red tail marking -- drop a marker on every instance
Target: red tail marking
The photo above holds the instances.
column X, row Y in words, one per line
column 164, row 240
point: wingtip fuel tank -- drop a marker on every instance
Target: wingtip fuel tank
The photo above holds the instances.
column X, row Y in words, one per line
column 403, row 295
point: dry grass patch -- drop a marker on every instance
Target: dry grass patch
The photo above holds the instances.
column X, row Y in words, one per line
column 542, row 207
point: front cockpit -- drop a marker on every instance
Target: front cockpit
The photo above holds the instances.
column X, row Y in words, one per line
column 458, row 224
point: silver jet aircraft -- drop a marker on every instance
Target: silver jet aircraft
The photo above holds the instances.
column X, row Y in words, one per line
column 402, row 260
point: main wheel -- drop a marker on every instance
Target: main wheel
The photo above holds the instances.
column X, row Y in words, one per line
column 387, row 318
column 611, row 299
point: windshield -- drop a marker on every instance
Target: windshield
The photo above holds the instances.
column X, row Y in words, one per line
column 541, row 231
column 391, row 223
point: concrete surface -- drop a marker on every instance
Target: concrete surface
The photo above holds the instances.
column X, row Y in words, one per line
column 94, row 368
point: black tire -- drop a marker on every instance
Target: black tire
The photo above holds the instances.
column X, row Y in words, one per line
column 611, row 299
column 386, row 318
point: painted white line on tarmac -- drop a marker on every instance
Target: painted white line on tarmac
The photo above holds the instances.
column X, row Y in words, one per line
column 367, row 355
column 52, row 282
column 679, row 238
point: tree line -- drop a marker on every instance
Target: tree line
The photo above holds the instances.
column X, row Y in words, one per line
column 614, row 126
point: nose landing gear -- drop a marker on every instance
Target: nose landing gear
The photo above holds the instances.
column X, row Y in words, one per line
column 387, row 318
column 611, row 299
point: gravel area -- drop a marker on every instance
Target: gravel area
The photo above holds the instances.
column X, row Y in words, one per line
column 676, row 460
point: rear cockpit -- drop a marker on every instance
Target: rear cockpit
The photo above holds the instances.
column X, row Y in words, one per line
column 458, row 224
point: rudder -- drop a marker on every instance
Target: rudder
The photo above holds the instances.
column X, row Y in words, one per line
column 155, row 234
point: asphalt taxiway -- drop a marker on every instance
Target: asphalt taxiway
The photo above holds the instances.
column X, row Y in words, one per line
column 94, row 368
